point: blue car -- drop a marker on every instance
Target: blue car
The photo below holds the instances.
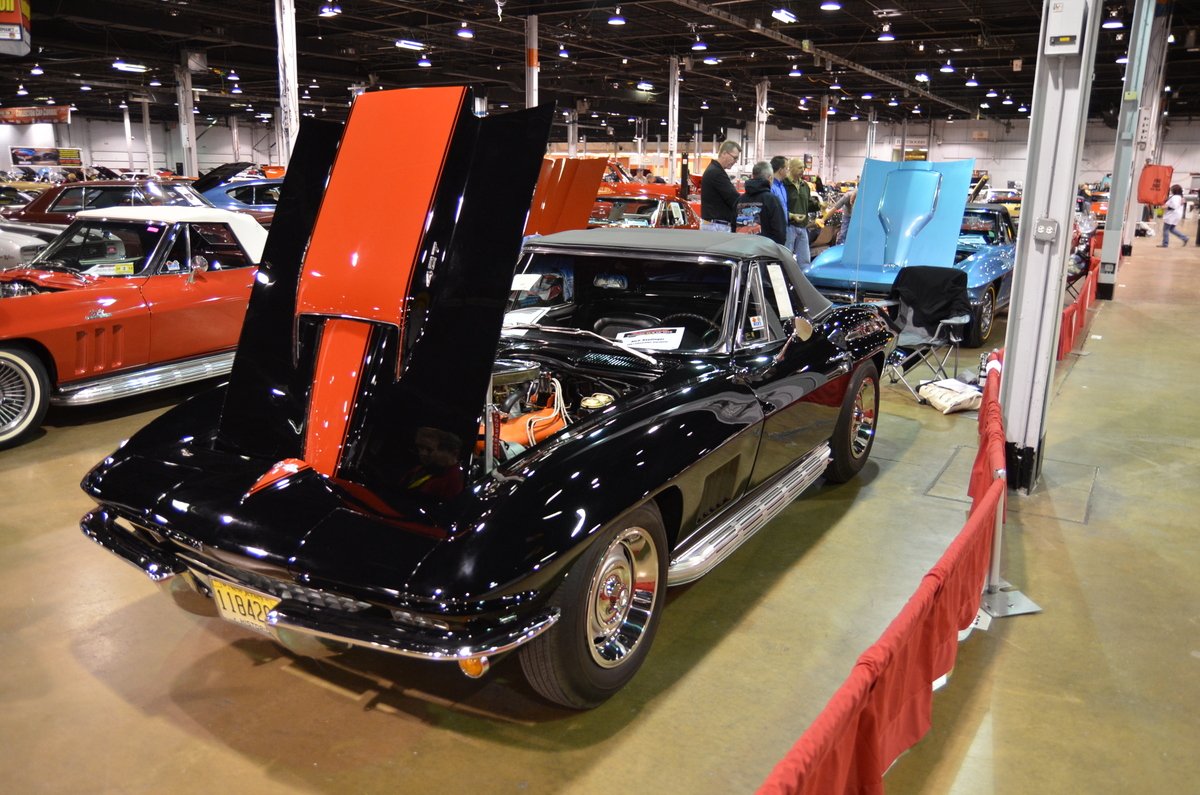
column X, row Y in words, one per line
column 914, row 224
column 258, row 195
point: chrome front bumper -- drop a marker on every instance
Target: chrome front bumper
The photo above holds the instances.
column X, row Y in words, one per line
column 307, row 629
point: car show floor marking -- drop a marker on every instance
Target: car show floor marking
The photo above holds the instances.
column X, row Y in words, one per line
column 1064, row 491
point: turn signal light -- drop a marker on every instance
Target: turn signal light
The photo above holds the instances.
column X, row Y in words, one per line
column 474, row 667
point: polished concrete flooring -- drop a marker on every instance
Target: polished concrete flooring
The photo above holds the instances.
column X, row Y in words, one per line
column 108, row 688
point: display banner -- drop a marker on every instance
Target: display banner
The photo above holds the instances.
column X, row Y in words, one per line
column 39, row 156
column 35, row 115
column 14, row 27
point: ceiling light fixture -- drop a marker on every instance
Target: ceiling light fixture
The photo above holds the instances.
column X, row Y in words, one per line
column 1007, row 100
column 784, row 15
column 1122, row 59
column 704, row 104
column 984, row 105
column 37, row 70
column 699, row 46
column 947, row 67
column 916, row 109
column 712, row 60
column 886, row 33
column 125, row 66
column 892, row 102
column 85, row 87
column 329, row 10
column 831, row 5
column 832, row 110
column 465, row 32
column 235, row 90
column 644, row 86
column 972, row 82
column 49, row 100
column 21, row 90
column 424, row 61
column 616, row 18
column 233, row 75
column 1113, row 21
column 795, row 71
column 563, row 52
column 992, row 93
column 921, row 77
column 1023, row 108
column 154, row 81
column 868, row 95
column 409, row 44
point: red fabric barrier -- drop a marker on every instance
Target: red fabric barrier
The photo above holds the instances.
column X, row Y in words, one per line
column 885, row 706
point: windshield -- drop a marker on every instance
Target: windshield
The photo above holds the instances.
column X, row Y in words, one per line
column 650, row 304
column 103, row 248
column 980, row 229
column 624, row 211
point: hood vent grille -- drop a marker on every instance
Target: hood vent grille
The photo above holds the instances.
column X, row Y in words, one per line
column 612, row 360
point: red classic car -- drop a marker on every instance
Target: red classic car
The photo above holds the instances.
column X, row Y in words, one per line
column 59, row 204
column 124, row 301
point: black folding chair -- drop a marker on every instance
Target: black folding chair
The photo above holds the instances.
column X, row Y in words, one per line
column 932, row 313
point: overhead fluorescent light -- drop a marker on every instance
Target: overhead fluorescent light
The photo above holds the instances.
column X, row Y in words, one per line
column 409, row 44
column 784, row 15
column 125, row 66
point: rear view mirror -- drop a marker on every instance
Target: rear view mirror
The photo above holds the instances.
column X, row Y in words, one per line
column 199, row 265
column 802, row 328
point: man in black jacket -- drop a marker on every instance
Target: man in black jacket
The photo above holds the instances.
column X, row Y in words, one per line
column 759, row 211
column 718, row 197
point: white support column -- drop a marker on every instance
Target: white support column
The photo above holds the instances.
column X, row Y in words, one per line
column 187, row 120
column 1062, row 85
column 1135, row 123
column 281, row 143
column 871, row 125
column 235, row 137
column 572, row 133
column 287, row 116
column 146, row 131
column 531, row 61
column 760, row 119
column 128, row 135
column 672, row 174
column 822, row 137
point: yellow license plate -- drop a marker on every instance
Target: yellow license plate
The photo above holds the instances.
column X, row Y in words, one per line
column 242, row 606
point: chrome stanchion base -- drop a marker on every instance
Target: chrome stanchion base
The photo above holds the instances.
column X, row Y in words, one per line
column 1002, row 604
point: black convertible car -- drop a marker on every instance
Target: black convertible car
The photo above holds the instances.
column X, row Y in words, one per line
column 518, row 462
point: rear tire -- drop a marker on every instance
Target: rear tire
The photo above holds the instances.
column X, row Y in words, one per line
column 610, row 602
column 854, row 434
column 24, row 395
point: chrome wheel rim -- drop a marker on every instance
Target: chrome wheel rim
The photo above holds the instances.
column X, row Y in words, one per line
column 862, row 420
column 987, row 311
column 16, row 396
column 621, row 597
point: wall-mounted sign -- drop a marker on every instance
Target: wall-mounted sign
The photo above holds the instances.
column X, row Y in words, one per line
column 14, row 27
column 45, row 156
column 54, row 114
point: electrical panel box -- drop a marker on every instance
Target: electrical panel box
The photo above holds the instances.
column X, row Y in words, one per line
column 1064, row 27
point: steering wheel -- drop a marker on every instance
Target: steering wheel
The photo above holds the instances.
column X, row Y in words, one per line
column 691, row 316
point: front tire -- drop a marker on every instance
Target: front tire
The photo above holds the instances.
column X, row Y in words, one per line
column 24, row 395
column 983, row 318
column 610, row 602
column 854, row 434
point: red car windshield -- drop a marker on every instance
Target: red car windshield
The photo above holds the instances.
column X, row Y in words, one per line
column 103, row 248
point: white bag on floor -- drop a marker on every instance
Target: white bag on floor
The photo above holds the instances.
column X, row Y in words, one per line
column 950, row 395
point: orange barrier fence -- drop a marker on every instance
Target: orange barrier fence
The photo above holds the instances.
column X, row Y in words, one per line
column 885, row 706
column 1074, row 317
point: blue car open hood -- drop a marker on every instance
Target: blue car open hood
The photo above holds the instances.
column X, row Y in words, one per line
column 906, row 214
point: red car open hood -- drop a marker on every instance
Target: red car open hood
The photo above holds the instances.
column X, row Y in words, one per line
column 49, row 279
column 375, row 317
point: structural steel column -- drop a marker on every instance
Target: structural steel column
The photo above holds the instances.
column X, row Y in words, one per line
column 1062, row 84
column 1138, row 117
column 871, row 125
column 146, row 132
column 822, row 136
column 531, row 61
column 288, row 117
column 572, row 133
column 673, row 120
column 187, row 120
column 760, row 119
column 128, row 134
column 235, row 137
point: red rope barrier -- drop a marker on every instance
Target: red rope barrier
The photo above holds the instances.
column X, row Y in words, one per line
column 886, row 704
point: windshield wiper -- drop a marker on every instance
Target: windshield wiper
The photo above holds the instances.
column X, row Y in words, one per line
column 583, row 333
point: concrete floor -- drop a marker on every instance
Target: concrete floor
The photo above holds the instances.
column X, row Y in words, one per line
column 109, row 688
